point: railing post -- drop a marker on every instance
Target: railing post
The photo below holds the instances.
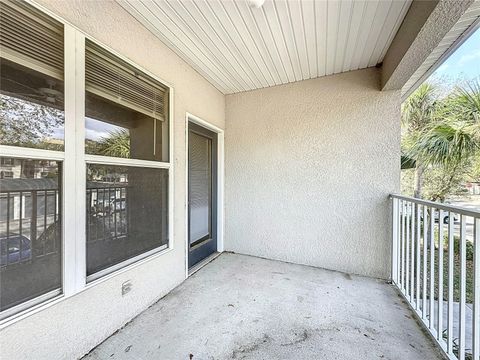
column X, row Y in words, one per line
column 476, row 290
column 463, row 290
column 33, row 227
column 407, row 249
column 394, row 240
column 440, row 275
column 451, row 252
column 8, row 216
column 414, row 271
column 425, row 255
column 431, row 309
column 417, row 303
column 402, row 249
column 412, row 251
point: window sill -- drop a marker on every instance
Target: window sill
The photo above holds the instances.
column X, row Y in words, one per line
column 112, row 271
column 61, row 297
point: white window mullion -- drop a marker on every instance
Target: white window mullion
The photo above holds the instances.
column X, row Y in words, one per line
column 108, row 160
column 30, row 153
column 74, row 165
column 69, row 186
column 80, row 171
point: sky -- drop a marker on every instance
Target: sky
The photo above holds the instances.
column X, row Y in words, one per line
column 95, row 129
column 464, row 63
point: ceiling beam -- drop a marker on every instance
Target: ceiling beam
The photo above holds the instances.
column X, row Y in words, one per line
column 424, row 26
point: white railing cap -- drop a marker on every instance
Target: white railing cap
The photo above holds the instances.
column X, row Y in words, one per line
column 455, row 209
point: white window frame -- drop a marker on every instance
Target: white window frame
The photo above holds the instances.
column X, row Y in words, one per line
column 74, row 159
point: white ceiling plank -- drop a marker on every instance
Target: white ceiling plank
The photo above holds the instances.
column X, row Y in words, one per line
column 273, row 23
column 216, row 41
column 344, row 23
column 267, row 36
column 400, row 16
column 282, row 9
column 244, row 42
column 239, row 48
column 229, row 36
column 307, row 9
column 321, row 30
column 377, row 21
column 190, row 26
column 191, row 42
column 354, row 33
column 333, row 11
column 182, row 44
column 252, row 32
column 299, row 31
column 366, row 26
column 379, row 25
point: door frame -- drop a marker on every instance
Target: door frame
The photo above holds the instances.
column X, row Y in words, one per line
column 220, row 181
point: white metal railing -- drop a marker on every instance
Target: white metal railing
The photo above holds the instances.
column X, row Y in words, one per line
column 436, row 266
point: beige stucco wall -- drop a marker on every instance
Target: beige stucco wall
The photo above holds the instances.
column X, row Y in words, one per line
column 72, row 327
column 309, row 167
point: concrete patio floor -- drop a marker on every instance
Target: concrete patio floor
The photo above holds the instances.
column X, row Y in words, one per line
column 243, row 307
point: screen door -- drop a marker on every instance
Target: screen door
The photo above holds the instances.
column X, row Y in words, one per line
column 202, row 193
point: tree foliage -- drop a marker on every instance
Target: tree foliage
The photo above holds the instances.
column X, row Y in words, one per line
column 419, row 108
column 443, row 134
column 28, row 124
column 116, row 144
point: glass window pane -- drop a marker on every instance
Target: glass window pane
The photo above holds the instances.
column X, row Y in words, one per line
column 30, row 229
column 126, row 111
column 31, row 86
column 127, row 213
column 200, row 186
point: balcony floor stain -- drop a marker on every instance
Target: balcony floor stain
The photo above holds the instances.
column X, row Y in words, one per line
column 244, row 307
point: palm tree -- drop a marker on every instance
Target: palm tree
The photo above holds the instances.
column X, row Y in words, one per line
column 452, row 137
column 419, row 107
column 116, row 144
column 417, row 114
column 465, row 102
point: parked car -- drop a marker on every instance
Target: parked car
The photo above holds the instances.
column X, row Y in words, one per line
column 10, row 249
column 445, row 216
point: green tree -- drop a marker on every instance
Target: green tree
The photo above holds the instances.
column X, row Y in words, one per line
column 450, row 141
column 116, row 144
column 417, row 114
column 29, row 124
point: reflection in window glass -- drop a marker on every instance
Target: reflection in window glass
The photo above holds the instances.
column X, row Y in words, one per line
column 30, row 229
column 31, row 108
column 127, row 213
column 126, row 111
column 114, row 130
column 31, row 84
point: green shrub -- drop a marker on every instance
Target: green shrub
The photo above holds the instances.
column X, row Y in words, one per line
column 456, row 247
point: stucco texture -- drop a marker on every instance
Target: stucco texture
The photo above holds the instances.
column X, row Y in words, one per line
column 71, row 328
column 309, row 167
column 424, row 27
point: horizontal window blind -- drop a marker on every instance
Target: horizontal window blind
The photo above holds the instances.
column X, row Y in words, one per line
column 30, row 38
column 113, row 79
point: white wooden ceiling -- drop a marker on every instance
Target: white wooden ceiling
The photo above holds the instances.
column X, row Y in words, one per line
column 239, row 48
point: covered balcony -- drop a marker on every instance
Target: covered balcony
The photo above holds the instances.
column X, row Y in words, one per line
column 220, row 180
